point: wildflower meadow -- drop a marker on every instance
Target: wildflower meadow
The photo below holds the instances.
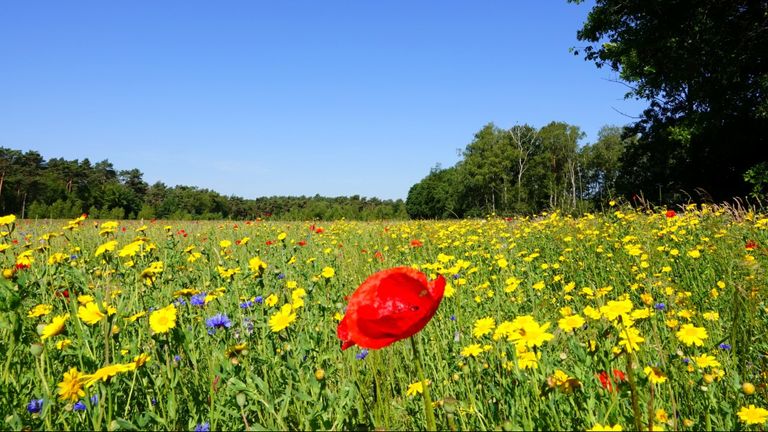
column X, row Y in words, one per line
column 629, row 319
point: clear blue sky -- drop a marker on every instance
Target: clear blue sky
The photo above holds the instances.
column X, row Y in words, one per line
column 259, row 98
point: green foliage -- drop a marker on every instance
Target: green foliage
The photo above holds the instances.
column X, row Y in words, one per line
column 58, row 188
column 703, row 66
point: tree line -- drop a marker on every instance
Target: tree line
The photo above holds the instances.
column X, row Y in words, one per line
column 33, row 187
column 523, row 169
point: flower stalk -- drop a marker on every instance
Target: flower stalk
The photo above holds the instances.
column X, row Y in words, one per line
column 428, row 410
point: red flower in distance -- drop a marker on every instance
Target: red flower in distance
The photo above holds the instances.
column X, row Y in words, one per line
column 670, row 214
column 390, row 305
column 751, row 245
column 605, row 380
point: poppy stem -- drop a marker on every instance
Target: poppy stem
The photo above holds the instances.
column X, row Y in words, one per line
column 428, row 411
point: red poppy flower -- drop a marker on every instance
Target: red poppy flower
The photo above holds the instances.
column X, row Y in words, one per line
column 416, row 243
column 670, row 214
column 751, row 245
column 302, row 243
column 606, row 382
column 389, row 306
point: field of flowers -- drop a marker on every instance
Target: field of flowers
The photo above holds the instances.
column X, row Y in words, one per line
column 628, row 319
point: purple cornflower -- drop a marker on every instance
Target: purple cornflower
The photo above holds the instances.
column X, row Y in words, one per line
column 362, row 354
column 686, row 360
column 246, row 304
column 198, row 299
column 453, row 317
column 180, row 301
column 203, row 427
column 35, row 406
column 79, row 406
column 456, row 276
column 259, row 299
column 177, row 358
column 659, row 306
column 724, row 346
column 281, row 276
column 218, row 321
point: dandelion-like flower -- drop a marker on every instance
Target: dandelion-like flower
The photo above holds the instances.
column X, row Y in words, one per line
column 282, row 318
column 753, row 415
column 163, row 320
column 71, row 387
column 690, row 335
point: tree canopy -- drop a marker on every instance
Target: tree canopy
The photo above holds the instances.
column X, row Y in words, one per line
column 703, row 67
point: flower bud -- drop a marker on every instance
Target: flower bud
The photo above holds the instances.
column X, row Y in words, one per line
column 320, row 374
column 36, row 349
column 748, row 388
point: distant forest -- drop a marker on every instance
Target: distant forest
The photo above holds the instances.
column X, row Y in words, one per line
column 32, row 187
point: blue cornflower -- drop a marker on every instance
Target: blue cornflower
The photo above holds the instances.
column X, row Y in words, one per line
column 218, row 321
column 177, row 358
column 659, row 306
column 259, row 299
column 724, row 346
column 79, row 406
column 281, row 276
column 198, row 299
column 35, row 406
column 362, row 354
column 453, row 317
column 686, row 360
column 246, row 304
column 180, row 301
column 456, row 276
column 95, row 399
column 73, row 257
column 203, row 427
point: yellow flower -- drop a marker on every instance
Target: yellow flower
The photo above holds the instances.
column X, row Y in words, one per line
column 162, row 320
column 63, row 344
column 531, row 334
column 694, row 253
column 630, row 339
column 753, row 415
column 416, row 388
column 56, row 327
column 282, row 318
column 141, row 359
column 592, row 313
column 108, row 372
column 706, row 360
column 40, row 310
column 271, row 300
column 135, row 316
column 282, row 236
column 257, row 266
column 106, row 247
column 90, row 313
column 615, row 309
column 570, row 323
column 71, row 387
column 526, row 359
column 473, row 350
column 328, row 272
column 690, row 335
column 151, row 272
column 57, row 258
column 483, row 326
column 7, row 219
column 655, row 375
column 225, row 244
column 600, row 428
